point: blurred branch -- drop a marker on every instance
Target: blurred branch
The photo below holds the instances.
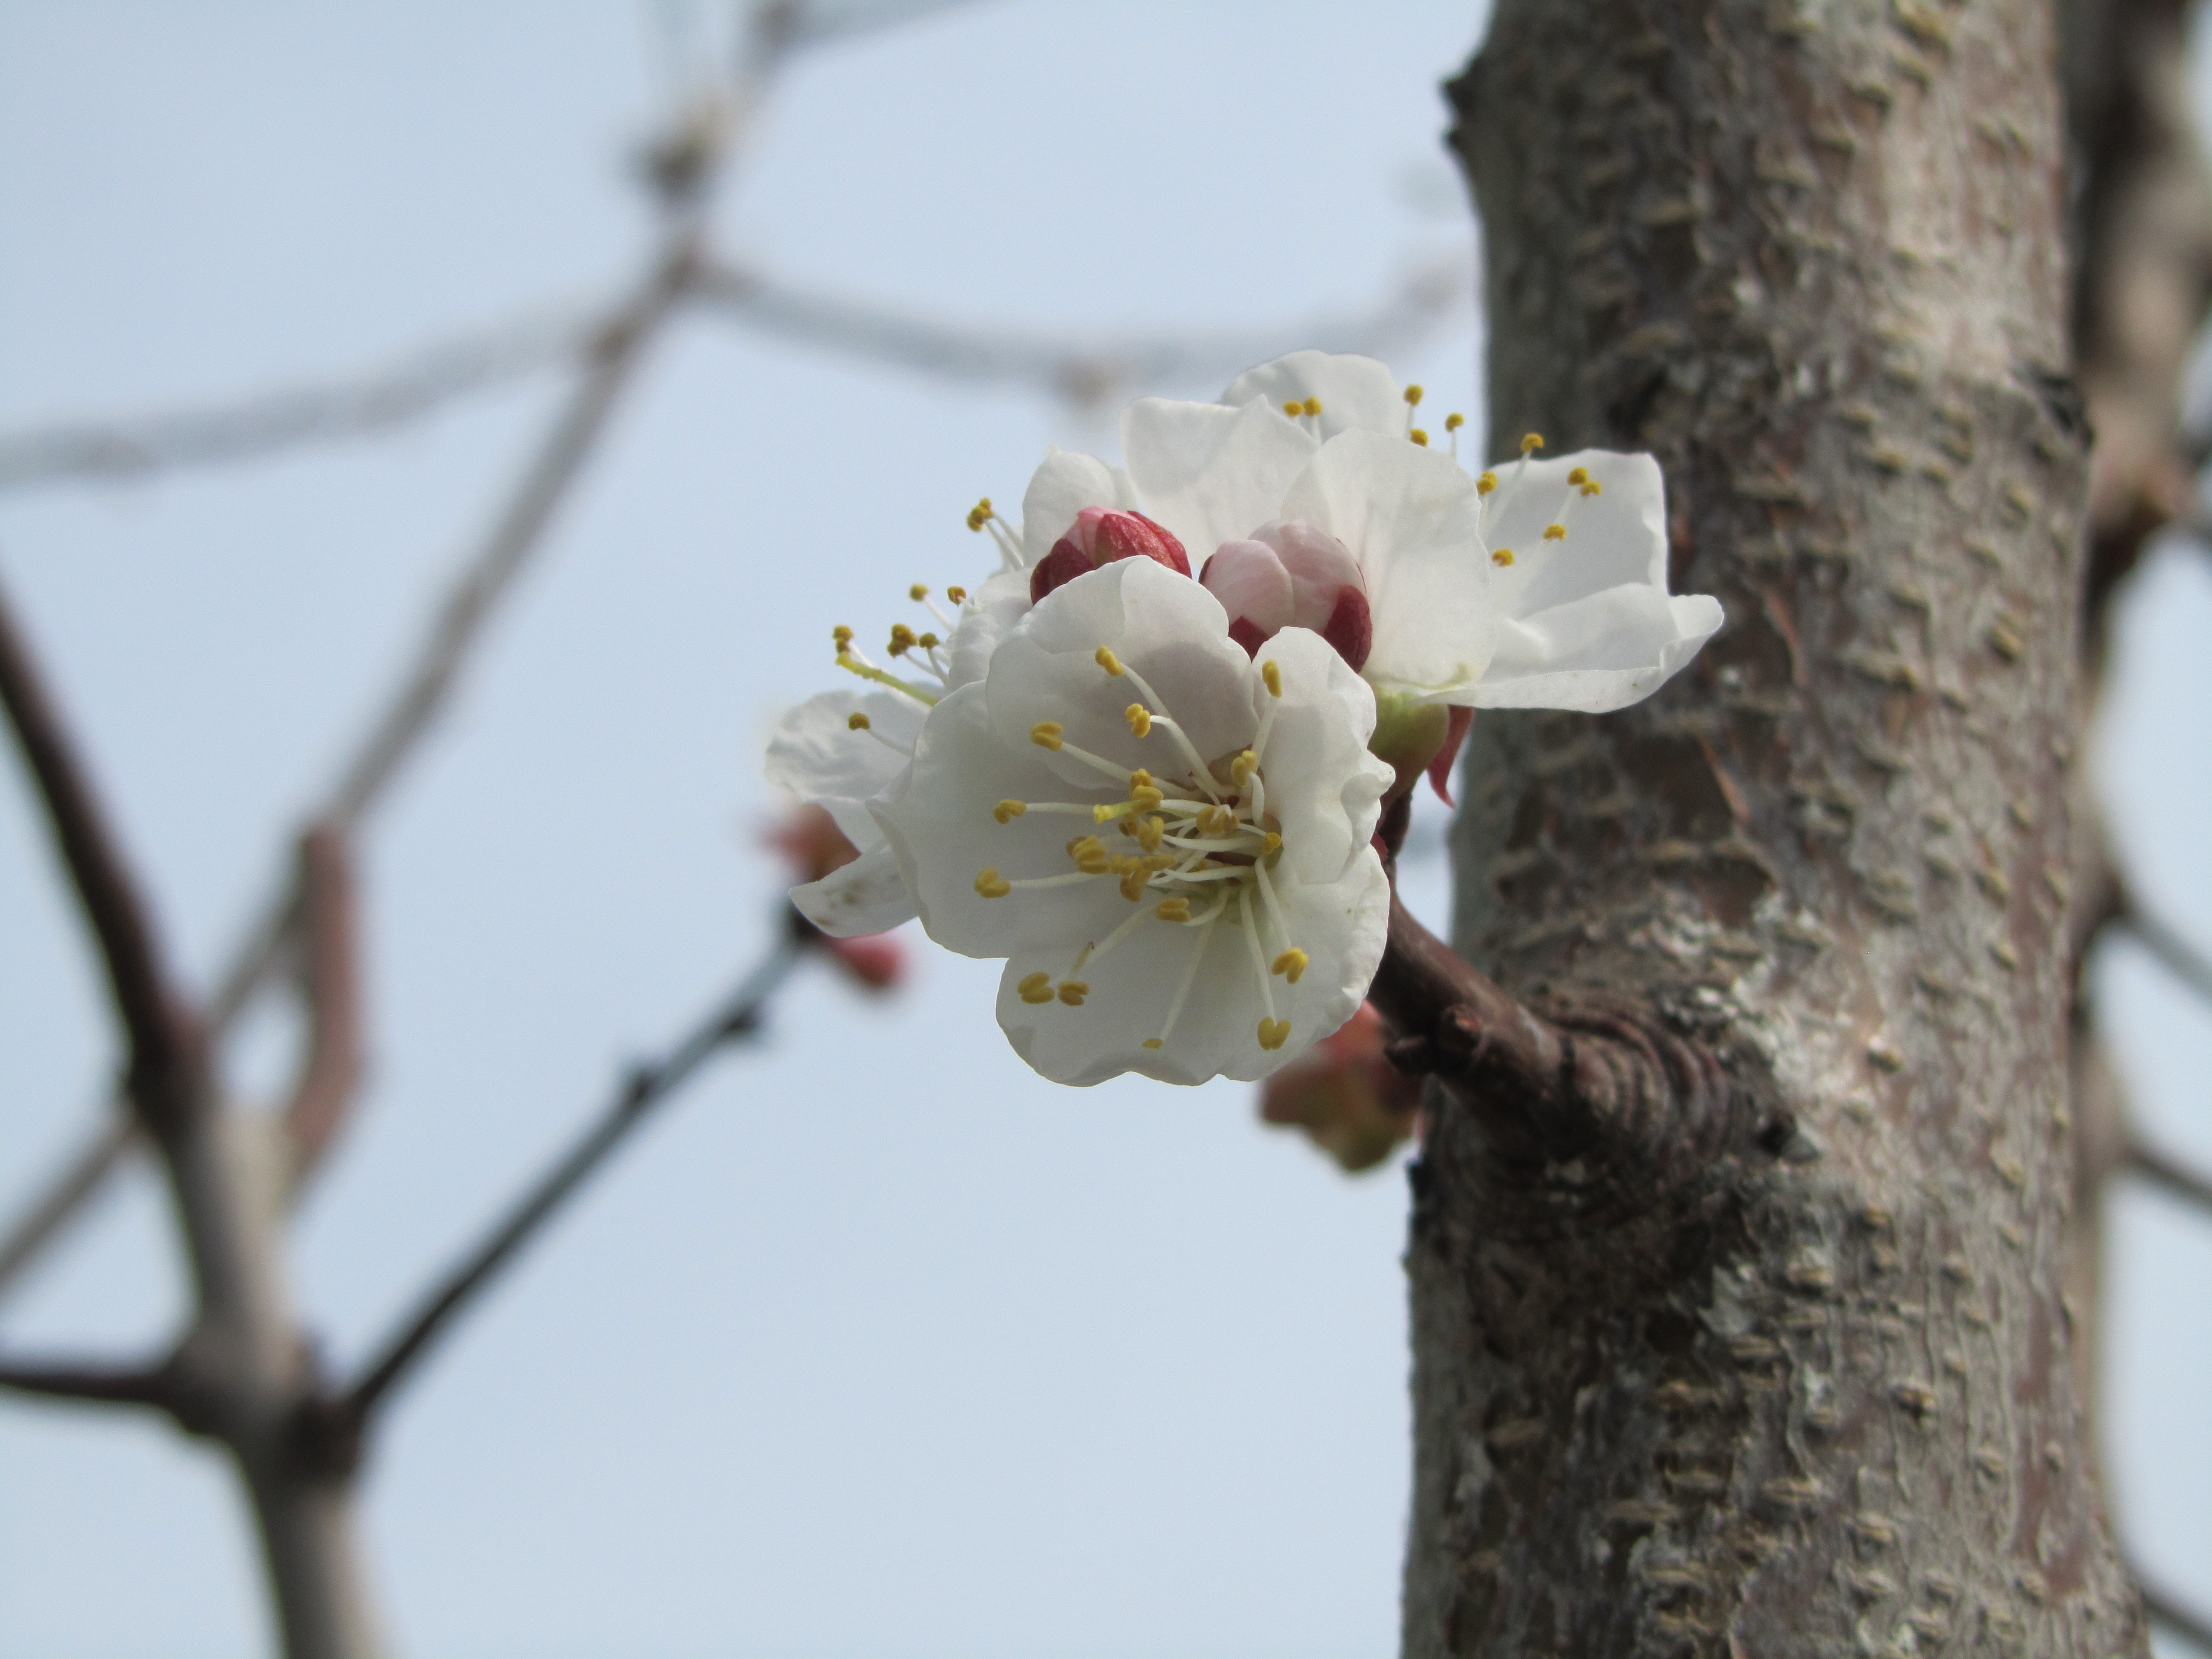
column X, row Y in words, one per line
column 158, row 1029
column 329, row 972
column 269, row 422
column 737, row 1018
column 151, row 1385
column 1084, row 371
column 2163, row 1172
column 2174, row 953
column 2191, row 1626
column 484, row 579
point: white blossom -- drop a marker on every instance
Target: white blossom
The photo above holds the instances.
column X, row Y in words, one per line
column 1166, row 839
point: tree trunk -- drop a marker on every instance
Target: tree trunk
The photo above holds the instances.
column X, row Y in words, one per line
column 1808, row 1394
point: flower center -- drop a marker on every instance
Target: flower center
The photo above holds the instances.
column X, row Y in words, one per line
column 1192, row 845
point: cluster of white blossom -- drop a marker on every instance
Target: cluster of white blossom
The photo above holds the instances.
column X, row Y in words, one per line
column 1151, row 788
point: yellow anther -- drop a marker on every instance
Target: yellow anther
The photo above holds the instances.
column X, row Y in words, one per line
column 1531, row 442
column 1007, row 811
column 1105, row 657
column 1503, row 557
column 1129, row 824
column 979, row 514
column 1485, row 483
column 1579, row 476
column 917, row 591
column 1216, row 821
column 1139, row 779
column 1072, row 991
column 1593, row 488
column 1132, row 883
column 1174, row 909
column 1153, row 1042
column 856, row 721
column 1090, row 855
column 1139, row 718
column 1147, row 798
column 929, row 641
column 1149, row 833
column 1045, row 734
column 1291, row 965
column 1270, row 844
column 1242, row 769
column 1293, row 408
column 1555, row 532
column 991, row 885
column 1035, row 987
column 1312, row 405
column 1413, row 395
column 903, row 640
column 1273, row 675
column 957, row 595
column 1419, row 437
column 1453, row 420
column 1274, row 1033
column 842, row 634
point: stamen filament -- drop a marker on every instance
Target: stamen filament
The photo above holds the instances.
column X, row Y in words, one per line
column 854, row 663
column 1158, row 709
column 1205, row 927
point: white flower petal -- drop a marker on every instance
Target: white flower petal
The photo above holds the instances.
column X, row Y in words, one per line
column 868, row 896
column 1356, row 394
column 1062, row 487
column 1342, row 924
column 1324, row 789
column 1166, row 627
column 817, row 754
column 1613, row 538
column 990, row 616
column 1597, row 653
column 1413, row 519
column 1207, row 473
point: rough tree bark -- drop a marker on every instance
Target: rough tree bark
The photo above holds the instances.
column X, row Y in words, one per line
column 1800, row 1384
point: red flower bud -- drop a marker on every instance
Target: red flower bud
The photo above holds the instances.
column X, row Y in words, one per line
column 1100, row 535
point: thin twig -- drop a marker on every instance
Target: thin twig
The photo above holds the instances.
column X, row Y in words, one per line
column 267, row 423
column 329, row 950
column 91, row 1384
column 737, row 1016
column 2174, row 953
column 487, row 576
column 2174, row 1178
column 1083, row 372
column 2185, row 1622
column 156, row 1025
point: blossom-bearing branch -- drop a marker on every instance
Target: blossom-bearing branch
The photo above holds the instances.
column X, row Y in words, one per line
column 1593, row 1107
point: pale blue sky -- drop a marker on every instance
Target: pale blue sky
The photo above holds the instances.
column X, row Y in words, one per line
column 908, row 1356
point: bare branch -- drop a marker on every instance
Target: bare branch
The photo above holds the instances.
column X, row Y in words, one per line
column 1083, row 372
column 268, row 423
column 484, row 580
column 736, row 1017
column 329, row 948
column 2171, row 1177
column 2174, row 953
column 152, row 1386
column 2184, row 1621
column 156, row 1023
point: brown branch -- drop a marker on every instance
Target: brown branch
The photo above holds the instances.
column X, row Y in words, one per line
column 154, row 1386
column 160, row 1029
column 1605, row 1086
column 2183, row 1620
column 330, row 978
column 335, row 1430
column 2172, row 1178
column 2174, row 953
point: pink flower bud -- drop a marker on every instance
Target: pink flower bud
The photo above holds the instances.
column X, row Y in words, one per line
column 1101, row 535
column 1291, row 573
column 1344, row 1095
